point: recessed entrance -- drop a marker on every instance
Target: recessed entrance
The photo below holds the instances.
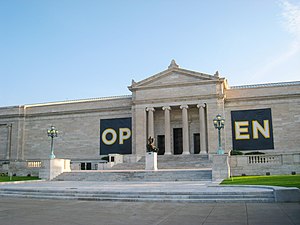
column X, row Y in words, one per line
column 177, row 140
column 196, row 143
column 161, row 144
column 85, row 166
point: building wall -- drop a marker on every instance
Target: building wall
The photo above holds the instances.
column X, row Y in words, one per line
column 284, row 102
column 23, row 128
column 78, row 124
column 12, row 122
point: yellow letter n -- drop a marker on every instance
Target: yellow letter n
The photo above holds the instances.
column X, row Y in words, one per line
column 265, row 131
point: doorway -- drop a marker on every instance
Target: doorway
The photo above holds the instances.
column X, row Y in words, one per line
column 177, row 140
column 86, row 166
column 161, row 144
column 196, row 143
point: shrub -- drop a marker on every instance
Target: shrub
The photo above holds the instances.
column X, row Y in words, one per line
column 236, row 152
column 105, row 158
column 254, row 153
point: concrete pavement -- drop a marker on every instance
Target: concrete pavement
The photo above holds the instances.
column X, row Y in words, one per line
column 20, row 211
column 28, row 211
column 188, row 191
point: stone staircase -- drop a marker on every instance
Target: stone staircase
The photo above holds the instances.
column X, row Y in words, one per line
column 170, row 162
column 137, row 175
column 171, row 168
column 162, row 196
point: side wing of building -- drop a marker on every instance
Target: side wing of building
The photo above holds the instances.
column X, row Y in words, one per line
column 23, row 129
column 280, row 100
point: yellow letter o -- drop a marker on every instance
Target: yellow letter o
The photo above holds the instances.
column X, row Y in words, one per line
column 113, row 136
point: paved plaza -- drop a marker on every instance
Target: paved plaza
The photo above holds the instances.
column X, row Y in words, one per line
column 20, row 211
column 127, row 186
column 28, row 211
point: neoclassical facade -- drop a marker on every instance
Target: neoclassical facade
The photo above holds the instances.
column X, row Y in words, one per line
column 176, row 107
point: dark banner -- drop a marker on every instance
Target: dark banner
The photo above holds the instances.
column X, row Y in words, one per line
column 115, row 136
column 252, row 129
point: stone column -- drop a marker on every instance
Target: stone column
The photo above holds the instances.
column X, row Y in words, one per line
column 139, row 130
column 203, row 148
column 167, row 130
column 150, row 121
column 185, row 130
column 8, row 149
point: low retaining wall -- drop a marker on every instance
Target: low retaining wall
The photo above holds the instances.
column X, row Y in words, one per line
column 265, row 164
column 21, row 168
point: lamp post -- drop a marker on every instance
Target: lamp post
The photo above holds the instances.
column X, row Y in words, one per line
column 219, row 124
column 52, row 133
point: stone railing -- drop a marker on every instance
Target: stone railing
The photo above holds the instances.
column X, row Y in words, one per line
column 34, row 164
column 264, row 159
column 265, row 164
column 21, row 168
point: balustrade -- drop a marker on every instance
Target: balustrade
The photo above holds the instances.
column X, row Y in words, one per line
column 34, row 164
column 264, row 159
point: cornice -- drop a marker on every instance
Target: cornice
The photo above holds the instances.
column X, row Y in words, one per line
column 267, row 85
column 259, row 98
column 68, row 112
column 176, row 85
column 179, row 99
column 111, row 98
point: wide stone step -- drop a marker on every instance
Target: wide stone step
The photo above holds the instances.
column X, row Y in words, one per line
column 137, row 175
column 140, row 166
column 170, row 162
column 143, row 196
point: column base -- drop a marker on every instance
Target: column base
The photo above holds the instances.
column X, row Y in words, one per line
column 220, row 152
column 203, row 153
column 168, row 153
column 51, row 168
column 186, row 153
column 151, row 161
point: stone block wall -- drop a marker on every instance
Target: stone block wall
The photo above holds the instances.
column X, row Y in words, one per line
column 262, row 164
column 284, row 102
column 20, row 168
column 78, row 125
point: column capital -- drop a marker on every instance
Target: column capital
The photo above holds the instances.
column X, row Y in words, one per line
column 150, row 109
column 201, row 104
column 166, row 108
column 185, row 106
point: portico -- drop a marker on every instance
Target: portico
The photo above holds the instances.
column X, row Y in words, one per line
column 184, row 119
column 175, row 107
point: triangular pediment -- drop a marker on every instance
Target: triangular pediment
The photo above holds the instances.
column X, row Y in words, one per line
column 173, row 76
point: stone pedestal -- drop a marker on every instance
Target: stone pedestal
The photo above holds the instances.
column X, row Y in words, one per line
column 151, row 161
column 51, row 168
column 221, row 168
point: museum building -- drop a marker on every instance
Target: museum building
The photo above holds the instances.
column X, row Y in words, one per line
column 176, row 106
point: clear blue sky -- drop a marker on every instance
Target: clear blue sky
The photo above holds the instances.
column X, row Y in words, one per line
column 55, row 50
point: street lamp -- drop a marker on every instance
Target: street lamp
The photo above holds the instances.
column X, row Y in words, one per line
column 219, row 124
column 52, row 133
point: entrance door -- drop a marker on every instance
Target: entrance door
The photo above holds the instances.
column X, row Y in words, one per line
column 85, row 166
column 161, row 144
column 196, row 143
column 178, row 146
column 88, row 166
